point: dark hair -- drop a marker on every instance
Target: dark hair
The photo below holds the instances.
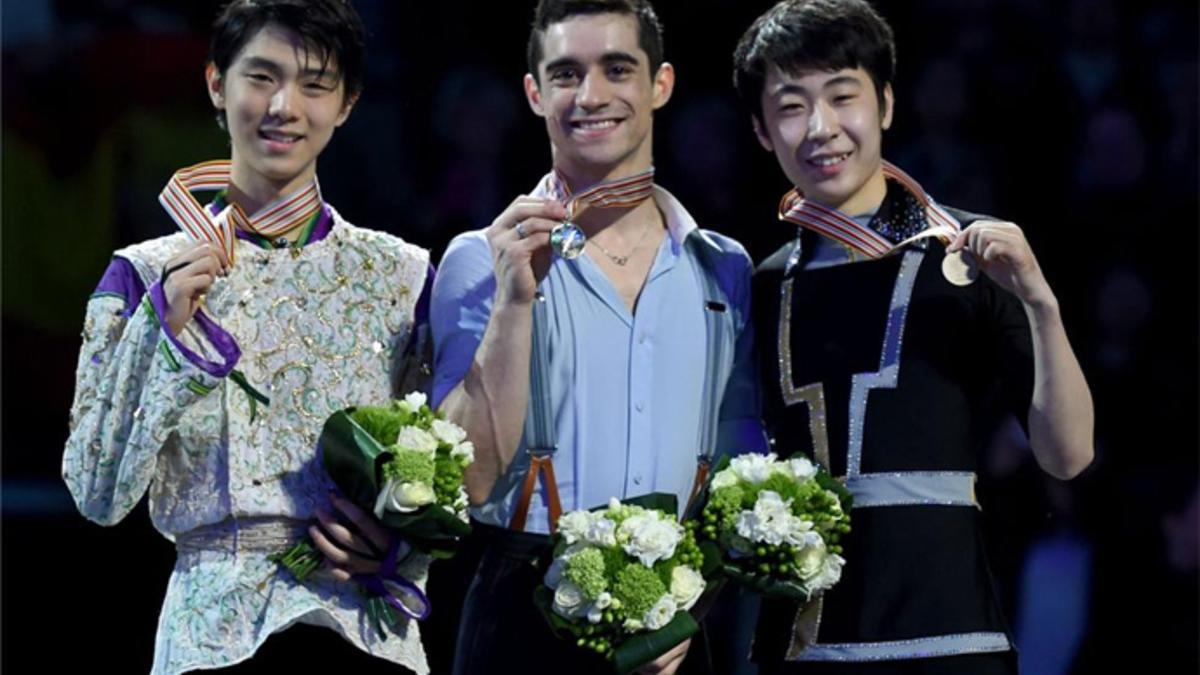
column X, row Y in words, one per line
column 550, row 12
column 330, row 29
column 805, row 35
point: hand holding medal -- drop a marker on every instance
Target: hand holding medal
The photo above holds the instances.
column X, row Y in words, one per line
column 1002, row 252
column 567, row 239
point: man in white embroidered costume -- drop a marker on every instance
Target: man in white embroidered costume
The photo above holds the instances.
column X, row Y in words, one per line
column 893, row 333
column 212, row 357
column 644, row 355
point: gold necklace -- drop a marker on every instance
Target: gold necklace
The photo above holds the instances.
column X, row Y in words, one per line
column 621, row 260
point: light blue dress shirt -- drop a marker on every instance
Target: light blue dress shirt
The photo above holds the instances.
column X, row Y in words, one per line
column 626, row 389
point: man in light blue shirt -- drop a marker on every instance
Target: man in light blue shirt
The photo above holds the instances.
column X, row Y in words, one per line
column 637, row 333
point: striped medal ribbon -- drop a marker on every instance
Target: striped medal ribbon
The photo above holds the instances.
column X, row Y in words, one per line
column 959, row 268
column 567, row 239
column 270, row 221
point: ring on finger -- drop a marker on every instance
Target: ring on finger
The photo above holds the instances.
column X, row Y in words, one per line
column 521, row 233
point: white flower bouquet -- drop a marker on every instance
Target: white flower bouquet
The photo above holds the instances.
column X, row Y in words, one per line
column 405, row 463
column 628, row 570
column 776, row 524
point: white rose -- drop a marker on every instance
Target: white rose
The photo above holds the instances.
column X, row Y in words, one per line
column 464, row 450
column 800, row 533
column 810, row 562
column 752, row 467
column 573, row 525
column 604, row 601
column 447, row 432
column 601, row 531
column 407, row 497
column 415, row 400
column 724, row 478
column 568, row 600
column 661, row 613
column 419, row 440
column 831, row 573
column 769, row 522
column 649, row 538
column 686, row 586
column 801, row 468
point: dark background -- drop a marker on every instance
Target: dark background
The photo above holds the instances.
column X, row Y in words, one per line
column 1077, row 119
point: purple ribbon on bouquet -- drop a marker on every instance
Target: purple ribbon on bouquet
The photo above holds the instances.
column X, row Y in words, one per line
column 393, row 588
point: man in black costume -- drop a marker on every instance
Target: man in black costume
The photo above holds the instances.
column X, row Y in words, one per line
column 892, row 332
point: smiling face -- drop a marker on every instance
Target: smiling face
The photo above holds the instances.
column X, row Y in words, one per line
column 280, row 109
column 598, row 96
column 826, row 130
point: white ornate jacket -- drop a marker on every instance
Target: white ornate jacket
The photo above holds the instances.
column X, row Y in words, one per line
column 318, row 328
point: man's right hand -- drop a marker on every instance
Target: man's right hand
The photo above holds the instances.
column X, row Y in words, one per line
column 187, row 277
column 521, row 255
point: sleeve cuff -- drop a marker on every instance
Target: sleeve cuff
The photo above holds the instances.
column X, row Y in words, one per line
column 222, row 342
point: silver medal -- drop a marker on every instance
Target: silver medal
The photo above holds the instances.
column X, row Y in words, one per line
column 567, row 240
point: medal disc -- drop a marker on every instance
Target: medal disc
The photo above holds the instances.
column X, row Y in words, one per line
column 960, row 268
column 567, row 240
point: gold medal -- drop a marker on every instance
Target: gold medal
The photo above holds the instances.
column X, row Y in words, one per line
column 960, row 268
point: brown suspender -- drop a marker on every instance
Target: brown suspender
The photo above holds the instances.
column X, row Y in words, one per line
column 544, row 465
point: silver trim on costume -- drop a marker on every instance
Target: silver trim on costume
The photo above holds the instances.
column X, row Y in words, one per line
column 918, row 648
column 888, row 374
column 813, row 395
column 913, row 488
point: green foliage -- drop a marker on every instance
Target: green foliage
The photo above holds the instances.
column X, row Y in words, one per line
column 381, row 422
column 586, row 570
column 638, row 588
column 407, row 466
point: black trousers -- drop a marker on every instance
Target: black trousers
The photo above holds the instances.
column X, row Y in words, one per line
column 502, row 632
column 310, row 649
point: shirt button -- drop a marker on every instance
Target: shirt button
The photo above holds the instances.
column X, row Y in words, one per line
column 642, row 339
column 637, row 480
column 639, row 406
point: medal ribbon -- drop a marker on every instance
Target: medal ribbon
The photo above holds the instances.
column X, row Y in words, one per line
column 794, row 208
column 271, row 220
column 619, row 193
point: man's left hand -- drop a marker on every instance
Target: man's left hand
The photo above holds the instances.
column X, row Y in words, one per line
column 1004, row 254
column 668, row 663
column 346, row 551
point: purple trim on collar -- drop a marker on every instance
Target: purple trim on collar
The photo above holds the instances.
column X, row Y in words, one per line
column 121, row 279
column 225, row 344
column 320, row 230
